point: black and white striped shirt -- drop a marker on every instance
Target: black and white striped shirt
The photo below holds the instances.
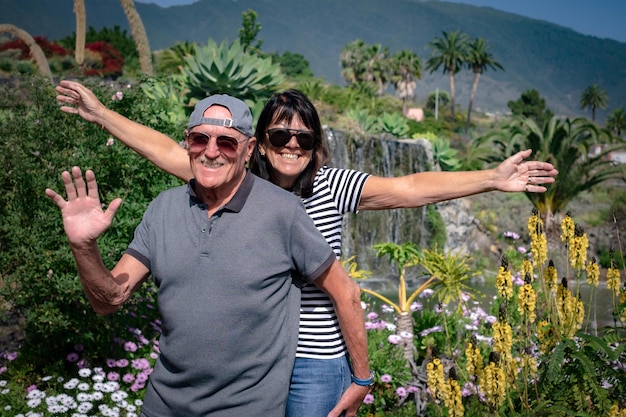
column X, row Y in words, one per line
column 336, row 191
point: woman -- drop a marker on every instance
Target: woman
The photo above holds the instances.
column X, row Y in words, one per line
column 291, row 152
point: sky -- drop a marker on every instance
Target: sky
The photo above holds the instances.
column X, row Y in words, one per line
column 600, row 18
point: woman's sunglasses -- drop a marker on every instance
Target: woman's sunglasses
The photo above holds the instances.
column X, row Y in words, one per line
column 280, row 137
column 197, row 142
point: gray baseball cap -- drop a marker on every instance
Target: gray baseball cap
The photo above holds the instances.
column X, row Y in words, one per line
column 242, row 117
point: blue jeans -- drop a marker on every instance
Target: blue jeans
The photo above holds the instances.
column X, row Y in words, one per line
column 317, row 385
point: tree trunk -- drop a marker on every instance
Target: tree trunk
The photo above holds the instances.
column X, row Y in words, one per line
column 79, row 11
column 139, row 35
column 471, row 100
column 35, row 50
column 452, row 90
column 405, row 326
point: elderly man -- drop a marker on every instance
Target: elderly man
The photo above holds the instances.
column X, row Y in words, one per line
column 228, row 252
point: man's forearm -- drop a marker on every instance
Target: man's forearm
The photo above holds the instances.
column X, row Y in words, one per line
column 352, row 323
column 156, row 147
column 104, row 294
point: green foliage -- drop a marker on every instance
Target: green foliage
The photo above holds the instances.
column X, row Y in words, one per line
column 531, row 105
column 116, row 37
column 40, row 282
column 444, row 155
column 166, row 92
column 248, row 32
column 616, row 122
column 363, row 119
column 572, row 378
column 442, row 96
column 568, row 145
column 593, row 98
column 293, row 65
column 394, row 124
column 228, row 69
column 171, row 60
column 436, row 226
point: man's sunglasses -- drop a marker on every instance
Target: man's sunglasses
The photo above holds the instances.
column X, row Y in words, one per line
column 197, row 142
column 280, row 137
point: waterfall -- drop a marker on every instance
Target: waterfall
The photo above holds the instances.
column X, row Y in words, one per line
column 386, row 157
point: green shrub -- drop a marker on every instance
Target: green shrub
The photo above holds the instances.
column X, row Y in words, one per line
column 40, row 282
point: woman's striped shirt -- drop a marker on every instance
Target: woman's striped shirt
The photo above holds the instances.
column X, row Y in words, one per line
column 336, row 191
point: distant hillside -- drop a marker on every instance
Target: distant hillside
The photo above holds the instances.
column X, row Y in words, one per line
column 555, row 60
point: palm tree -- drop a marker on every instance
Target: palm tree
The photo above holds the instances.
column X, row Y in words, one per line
column 479, row 58
column 35, row 49
column 351, row 61
column 362, row 63
column 567, row 145
column 139, row 35
column 79, row 10
column 377, row 68
column 406, row 68
column 616, row 122
column 593, row 97
column 450, row 54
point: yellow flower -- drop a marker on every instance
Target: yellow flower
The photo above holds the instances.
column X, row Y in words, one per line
column 504, row 283
column 527, row 268
column 578, row 248
column 613, row 279
column 493, row 384
column 593, row 272
column 503, row 340
column 474, row 363
column 567, row 229
column 454, row 399
column 550, row 276
column 570, row 311
column 538, row 243
column 526, row 302
column 436, row 383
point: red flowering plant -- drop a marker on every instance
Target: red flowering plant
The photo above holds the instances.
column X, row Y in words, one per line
column 50, row 49
column 109, row 63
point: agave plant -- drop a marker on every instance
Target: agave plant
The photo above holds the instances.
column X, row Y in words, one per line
column 229, row 69
column 394, row 124
column 363, row 119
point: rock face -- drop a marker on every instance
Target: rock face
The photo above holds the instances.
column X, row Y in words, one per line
column 464, row 233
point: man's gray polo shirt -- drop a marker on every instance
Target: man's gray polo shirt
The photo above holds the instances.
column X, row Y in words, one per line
column 229, row 298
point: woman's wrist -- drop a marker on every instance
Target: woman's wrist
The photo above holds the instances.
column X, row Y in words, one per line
column 363, row 382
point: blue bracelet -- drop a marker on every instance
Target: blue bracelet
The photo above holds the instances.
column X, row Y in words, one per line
column 363, row 382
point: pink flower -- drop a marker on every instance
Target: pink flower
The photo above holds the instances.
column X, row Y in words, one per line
column 372, row 315
column 130, row 347
column 110, row 142
column 30, row 388
column 394, row 339
column 113, row 376
column 11, row 356
column 385, row 378
column 72, row 357
column 401, row 392
column 122, row 363
column 369, row 398
column 128, row 378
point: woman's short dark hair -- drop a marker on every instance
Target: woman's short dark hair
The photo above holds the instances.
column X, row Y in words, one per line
column 283, row 107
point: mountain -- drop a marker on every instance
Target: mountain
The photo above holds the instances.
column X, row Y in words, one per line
column 555, row 60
